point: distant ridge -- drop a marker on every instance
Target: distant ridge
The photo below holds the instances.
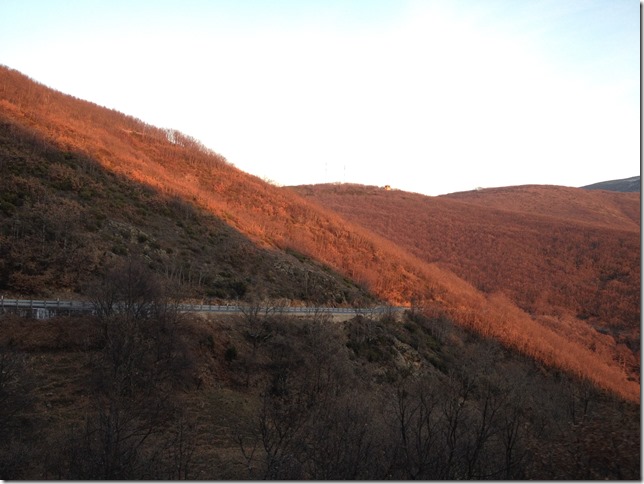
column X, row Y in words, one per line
column 623, row 185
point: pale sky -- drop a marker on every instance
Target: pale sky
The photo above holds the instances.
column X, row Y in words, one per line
column 429, row 96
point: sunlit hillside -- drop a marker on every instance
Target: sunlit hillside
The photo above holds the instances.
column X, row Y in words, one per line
column 88, row 137
column 568, row 257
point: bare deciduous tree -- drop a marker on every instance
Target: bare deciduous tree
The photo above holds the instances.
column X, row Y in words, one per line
column 142, row 361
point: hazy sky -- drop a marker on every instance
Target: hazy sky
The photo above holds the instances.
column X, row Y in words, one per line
column 428, row 96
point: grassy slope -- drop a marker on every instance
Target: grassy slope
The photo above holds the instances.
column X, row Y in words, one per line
column 175, row 166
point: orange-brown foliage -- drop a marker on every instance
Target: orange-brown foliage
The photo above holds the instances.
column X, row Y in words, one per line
column 571, row 250
column 561, row 254
column 397, row 265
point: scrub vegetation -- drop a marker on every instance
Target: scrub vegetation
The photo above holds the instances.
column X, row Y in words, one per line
column 518, row 356
column 140, row 391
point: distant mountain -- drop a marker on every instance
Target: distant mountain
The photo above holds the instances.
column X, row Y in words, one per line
column 623, row 185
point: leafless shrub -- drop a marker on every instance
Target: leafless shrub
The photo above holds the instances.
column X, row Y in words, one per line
column 142, row 362
column 15, row 398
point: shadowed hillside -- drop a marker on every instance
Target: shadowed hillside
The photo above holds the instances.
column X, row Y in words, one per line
column 66, row 220
column 86, row 139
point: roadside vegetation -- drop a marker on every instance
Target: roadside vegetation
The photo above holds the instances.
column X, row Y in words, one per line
column 140, row 391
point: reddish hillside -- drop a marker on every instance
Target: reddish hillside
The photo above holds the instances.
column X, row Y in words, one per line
column 174, row 165
column 567, row 256
column 616, row 210
column 278, row 220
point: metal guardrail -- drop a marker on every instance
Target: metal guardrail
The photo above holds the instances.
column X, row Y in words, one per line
column 45, row 304
column 87, row 306
column 205, row 308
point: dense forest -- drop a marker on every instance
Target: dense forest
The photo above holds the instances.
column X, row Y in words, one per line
column 482, row 377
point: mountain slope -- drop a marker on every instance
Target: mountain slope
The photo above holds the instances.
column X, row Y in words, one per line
column 568, row 257
column 177, row 167
column 282, row 241
column 66, row 220
column 609, row 209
